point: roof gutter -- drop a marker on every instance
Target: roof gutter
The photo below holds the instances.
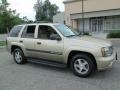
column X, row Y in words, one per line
column 70, row 1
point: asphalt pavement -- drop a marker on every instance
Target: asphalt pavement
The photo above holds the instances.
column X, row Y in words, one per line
column 33, row 76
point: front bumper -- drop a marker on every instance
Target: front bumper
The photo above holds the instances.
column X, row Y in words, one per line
column 106, row 62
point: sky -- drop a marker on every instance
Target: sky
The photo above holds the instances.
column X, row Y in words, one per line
column 25, row 7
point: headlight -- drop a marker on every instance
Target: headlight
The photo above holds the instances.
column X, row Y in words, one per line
column 107, row 51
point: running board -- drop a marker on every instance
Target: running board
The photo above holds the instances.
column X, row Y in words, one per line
column 46, row 62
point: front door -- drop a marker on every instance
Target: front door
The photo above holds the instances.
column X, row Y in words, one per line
column 47, row 48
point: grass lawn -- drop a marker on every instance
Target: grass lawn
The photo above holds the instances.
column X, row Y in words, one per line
column 2, row 43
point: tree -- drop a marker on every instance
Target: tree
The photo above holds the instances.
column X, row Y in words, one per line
column 26, row 20
column 8, row 17
column 3, row 6
column 45, row 10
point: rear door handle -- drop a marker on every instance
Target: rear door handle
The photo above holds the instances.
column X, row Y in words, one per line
column 39, row 43
column 21, row 41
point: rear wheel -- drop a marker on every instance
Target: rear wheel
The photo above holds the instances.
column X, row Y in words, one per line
column 18, row 56
column 82, row 65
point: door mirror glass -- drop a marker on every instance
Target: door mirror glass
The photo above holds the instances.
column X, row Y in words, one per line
column 55, row 37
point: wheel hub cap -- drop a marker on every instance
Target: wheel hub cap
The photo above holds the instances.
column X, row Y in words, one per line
column 81, row 66
column 18, row 56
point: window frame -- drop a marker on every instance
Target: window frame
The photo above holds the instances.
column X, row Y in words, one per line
column 25, row 30
column 37, row 32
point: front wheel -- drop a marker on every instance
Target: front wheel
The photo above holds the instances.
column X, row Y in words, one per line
column 82, row 65
column 18, row 56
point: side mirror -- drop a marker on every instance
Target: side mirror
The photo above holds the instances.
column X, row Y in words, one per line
column 55, row 37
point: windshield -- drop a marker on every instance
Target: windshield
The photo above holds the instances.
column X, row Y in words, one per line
column 66, row 31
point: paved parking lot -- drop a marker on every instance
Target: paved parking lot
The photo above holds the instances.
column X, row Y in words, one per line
column 39, row 77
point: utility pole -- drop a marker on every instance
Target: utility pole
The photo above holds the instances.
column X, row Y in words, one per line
column 83, row 16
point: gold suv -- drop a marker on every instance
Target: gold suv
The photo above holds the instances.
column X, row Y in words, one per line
column 59, row 45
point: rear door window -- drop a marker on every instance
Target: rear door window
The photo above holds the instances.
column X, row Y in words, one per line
column 15, row 31
column 29, row 31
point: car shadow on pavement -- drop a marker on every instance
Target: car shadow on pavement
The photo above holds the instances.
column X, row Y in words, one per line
column 48, row 67
column 97, row 75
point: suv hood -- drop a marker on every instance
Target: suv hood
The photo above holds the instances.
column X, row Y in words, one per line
column 89, row 41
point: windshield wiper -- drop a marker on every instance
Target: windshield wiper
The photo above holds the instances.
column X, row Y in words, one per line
column 70, row 35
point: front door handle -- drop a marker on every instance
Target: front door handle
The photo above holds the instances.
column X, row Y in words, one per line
column 39, row 43
column 21, row 41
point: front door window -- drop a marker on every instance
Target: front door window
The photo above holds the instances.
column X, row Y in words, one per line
column 44, row 32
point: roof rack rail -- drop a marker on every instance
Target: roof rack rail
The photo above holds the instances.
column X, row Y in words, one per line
column 42, row 22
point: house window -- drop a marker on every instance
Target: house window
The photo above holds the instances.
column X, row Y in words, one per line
column 116, row 23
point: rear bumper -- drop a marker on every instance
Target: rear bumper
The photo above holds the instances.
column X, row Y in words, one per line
column 106, row 62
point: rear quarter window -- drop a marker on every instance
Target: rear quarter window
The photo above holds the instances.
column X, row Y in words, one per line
column 15, row 31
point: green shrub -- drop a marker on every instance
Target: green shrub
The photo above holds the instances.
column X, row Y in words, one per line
column 2, row 43
column 115, row 34
column 86, row 33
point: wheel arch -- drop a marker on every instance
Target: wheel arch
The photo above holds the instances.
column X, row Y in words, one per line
column 13, row 47
column 72, row 53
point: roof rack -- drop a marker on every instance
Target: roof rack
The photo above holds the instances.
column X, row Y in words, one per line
column 42, row 22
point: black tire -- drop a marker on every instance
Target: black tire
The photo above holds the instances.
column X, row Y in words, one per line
column 22, row 59
column 90, row 65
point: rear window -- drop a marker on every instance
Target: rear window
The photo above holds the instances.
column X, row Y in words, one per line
column 15, row 31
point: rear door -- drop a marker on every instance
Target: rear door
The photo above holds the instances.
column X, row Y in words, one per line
column 27, row 39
